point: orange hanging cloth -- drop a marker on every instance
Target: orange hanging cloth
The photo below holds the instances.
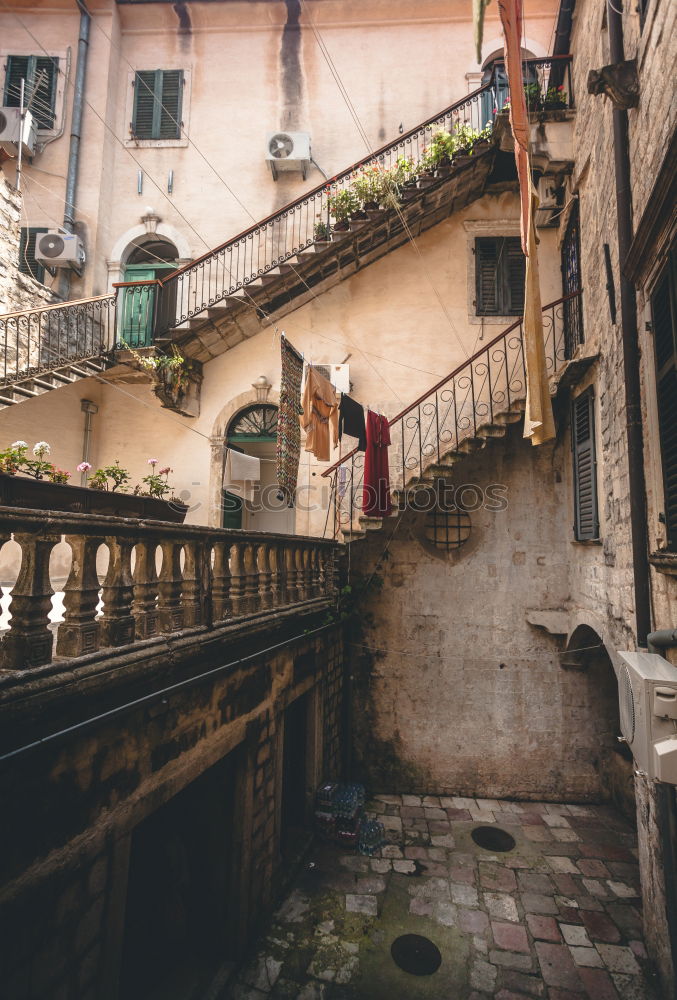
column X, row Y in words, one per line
column 320, row 412
column 539, row 424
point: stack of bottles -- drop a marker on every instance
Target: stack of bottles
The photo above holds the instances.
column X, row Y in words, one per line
column 372, row 837
column 339, row 812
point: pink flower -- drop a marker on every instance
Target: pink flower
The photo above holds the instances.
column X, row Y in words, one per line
column 84, row 467
column 153, row 461
column 165, row 471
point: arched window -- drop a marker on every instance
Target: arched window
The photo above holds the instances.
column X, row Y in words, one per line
column 256, row 423
column 493, row 67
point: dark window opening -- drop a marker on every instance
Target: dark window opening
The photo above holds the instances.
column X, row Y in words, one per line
column 27, row 262
column 586, row 520
column 571, row 282
column 664, row 323
column 499, row 274
column 39, row 74
column 180, row 916
column 158, row 97
column 447, row 529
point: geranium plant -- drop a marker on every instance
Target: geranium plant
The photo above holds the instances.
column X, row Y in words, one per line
column 342, row 204
column 114, row 473
column 156, row 483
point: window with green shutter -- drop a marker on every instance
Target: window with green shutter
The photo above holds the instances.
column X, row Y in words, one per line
column 586, row 519
column 499, row 276
column 158, row 95
column 27, row 262
column 40, row 74
column 664, row 324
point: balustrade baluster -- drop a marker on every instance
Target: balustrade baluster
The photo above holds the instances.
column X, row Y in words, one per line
column 170, row 611
column 307, row 575
column 237, row 578
column 196, row 590
column 276, row 563
column 221, row 581
column 29, row 640
column 117, row 625
column 265, row 576
column 79, row 632
column 300, row 581
column 144, row 607
column 251, row 588
column 291, row 592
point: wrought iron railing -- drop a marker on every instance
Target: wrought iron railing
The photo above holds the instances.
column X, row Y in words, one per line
column 141, row 311
column 161, row 579
column 39, row 340
column 471, row 404
column 234, row 265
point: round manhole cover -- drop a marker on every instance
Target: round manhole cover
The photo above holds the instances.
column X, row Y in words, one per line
column 492, row 838
column 416, row 955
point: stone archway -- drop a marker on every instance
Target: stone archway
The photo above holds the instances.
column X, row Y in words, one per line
column 594, row 690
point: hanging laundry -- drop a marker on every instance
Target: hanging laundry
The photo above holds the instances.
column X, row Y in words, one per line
column 351, row 421
column 288, row 429
column 320, row 412
column 376, row 489
column 241, row 473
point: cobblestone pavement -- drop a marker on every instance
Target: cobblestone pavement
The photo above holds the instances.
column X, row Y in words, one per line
column 556, row 917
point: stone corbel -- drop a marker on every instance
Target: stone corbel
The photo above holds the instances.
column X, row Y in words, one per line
column 187, row 403
column 619, row 82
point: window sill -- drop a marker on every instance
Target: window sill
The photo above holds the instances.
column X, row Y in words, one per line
column 476, row 320
column 664, row 562
column 586, row 541
column 155, row 143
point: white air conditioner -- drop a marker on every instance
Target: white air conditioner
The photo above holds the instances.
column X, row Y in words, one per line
column 11, row 131
column 338, row 375
column 647, row 692
column 57, row 248
column 287, row 151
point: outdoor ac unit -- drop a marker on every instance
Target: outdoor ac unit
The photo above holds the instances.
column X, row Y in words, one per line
column 647, row 692
column 288, row 151
column 11, row 131
column 57, row 248
column 547, row 202
column 338, row 375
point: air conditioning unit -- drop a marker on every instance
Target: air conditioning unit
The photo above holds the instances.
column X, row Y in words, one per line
column 11, row 131
column 647, row 692
column 286, row 151
column 338, row 375
column 547, row 202
column 57, row 248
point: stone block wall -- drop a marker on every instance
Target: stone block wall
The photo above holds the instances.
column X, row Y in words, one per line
column 76, row 808
column 17, row 291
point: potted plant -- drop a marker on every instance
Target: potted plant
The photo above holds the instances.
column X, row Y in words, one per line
column 321, row 232
column 367, row 185
column 342, row 204
column 532, row 95
column 555, row 98
column 36, row 483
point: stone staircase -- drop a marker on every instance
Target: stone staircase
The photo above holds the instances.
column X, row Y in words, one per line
column 28, row 386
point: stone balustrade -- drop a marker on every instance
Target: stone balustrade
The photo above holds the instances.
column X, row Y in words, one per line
column 161, row 579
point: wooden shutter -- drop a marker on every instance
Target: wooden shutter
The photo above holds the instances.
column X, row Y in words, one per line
column 15, row 70
column 664, row 317
column 170, row 111
column 43, row 90
column 157, row 104
column 27, row 261
column 40, row 74
column 586, row 521
column 486, row 275
column 144, row 104
column 514, row 270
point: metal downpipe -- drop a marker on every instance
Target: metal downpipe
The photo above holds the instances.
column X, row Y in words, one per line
column 630, row 340
column 76, row 130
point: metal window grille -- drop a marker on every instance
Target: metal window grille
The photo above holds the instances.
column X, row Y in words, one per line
column 447, row 529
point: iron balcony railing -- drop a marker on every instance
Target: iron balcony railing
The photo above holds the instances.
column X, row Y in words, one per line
column 473, row 403
column 141, row 311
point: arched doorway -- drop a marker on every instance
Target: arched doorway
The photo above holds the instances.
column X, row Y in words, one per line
column 597, row 700
column 150, row 258
column 253, row 431
column 494, row 100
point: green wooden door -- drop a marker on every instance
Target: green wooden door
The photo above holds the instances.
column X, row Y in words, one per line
column 139, row 302
column 231, row 506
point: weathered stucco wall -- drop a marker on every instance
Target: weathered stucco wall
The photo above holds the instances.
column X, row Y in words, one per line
column 454, row 691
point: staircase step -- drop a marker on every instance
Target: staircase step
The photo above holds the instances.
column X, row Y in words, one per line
column 43, row 383
column 471, row 444
column 370, row 523
column 7, row 401
column 491, row 431
column 62, row 377
column 23, row 390
column 351, row 535
column 216, row 313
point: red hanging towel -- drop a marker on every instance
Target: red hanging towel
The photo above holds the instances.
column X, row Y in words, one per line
column 376, row 489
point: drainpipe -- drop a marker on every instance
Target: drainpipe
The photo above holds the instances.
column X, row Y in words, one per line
column 89, row 409
column 665, row 638
column 630, row 340
column 76, row 129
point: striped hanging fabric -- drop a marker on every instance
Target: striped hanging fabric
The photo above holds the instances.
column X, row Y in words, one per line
column 288, row 447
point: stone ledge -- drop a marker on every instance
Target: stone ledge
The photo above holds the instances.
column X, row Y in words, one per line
column 664, row 562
